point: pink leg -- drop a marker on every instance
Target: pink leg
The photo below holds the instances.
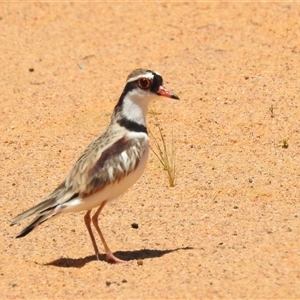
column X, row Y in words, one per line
column 87, row 221
column 109, row 255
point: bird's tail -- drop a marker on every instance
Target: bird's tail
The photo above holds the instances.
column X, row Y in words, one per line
column 43, row 212
column 37, row 221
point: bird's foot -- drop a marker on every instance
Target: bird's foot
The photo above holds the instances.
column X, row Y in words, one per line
column 111, row 258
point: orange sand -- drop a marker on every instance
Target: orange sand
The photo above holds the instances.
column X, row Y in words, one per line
column 230, row 226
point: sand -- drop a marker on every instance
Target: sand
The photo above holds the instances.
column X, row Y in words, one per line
column 230, row 226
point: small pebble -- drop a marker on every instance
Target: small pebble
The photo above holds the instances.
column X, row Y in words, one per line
column 135, row 225
column 140, row 262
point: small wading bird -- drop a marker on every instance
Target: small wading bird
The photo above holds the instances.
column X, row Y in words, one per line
column 110, row 165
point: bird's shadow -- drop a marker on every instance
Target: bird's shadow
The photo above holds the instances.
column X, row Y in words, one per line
column 66, row 262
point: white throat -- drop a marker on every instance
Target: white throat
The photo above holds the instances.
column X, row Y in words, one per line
column 135, row 106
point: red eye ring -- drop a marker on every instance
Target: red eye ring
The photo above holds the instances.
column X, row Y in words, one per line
column 144, row 83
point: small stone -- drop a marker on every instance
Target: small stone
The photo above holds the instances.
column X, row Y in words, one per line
column 135, row 225
column 140, row 262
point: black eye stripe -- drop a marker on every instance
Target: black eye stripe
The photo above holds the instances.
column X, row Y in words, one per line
column 156, row 83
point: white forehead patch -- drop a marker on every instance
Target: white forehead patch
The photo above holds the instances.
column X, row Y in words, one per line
column 148, row 75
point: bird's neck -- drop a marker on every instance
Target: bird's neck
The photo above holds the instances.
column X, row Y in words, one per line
column 133, row 108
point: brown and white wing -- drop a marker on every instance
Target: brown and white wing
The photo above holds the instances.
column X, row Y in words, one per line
column 114, row 163
column 94, row 170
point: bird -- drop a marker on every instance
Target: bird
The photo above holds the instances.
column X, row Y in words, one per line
column 110, row 165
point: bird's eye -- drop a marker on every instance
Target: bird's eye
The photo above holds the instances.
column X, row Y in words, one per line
column 144, row 83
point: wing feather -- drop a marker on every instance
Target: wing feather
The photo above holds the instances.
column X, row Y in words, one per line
column 114, row 164
column 93, row 171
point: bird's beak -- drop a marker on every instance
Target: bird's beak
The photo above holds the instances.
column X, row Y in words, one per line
column 162, row 91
